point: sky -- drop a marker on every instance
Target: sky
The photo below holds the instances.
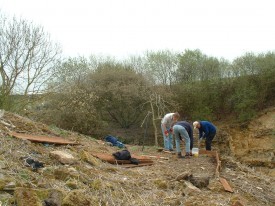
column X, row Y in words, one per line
column 121, row 28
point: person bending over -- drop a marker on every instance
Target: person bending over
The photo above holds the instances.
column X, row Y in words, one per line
column 167, row 123
column 207, row 130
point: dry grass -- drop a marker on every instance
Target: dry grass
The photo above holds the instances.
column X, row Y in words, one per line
column 107, row 184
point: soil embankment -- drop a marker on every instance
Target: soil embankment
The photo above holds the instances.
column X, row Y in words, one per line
column 71, row 175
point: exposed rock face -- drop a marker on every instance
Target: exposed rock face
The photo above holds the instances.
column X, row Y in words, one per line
column 253, row 143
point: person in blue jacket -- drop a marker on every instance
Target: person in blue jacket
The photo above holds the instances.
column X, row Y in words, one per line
column 207, row 130
column 189, row 129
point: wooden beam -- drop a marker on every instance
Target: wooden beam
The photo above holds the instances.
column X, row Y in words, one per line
column 225, row 185
column 43, row 139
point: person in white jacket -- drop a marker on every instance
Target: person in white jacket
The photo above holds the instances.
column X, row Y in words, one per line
column 167, row 123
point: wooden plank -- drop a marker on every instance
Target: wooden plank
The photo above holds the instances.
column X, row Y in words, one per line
column 155, row 157
column 139, row 165
column 225, row 185
column 43, row 139
column 111, row 159
column 218, row 168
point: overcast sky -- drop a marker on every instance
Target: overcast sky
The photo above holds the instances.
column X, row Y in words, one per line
column 120, row 28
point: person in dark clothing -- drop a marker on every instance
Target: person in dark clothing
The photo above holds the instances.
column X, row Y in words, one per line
column 189, row 130
column 180, row 132
column 207, row 130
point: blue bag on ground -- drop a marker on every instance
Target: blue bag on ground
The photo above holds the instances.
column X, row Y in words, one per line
column 114, row 141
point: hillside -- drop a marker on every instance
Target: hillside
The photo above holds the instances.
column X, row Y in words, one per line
column 84, row 180
column 253, row 143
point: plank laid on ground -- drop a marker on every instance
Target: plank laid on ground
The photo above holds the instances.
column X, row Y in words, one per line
column 139, row 165
column 155, row 157
column 218, row 168
column 111, row 159
column 44, row 139
column 225, row 185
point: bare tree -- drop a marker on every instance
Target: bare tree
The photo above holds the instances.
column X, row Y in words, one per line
column 27, row 57
column 159, row 106
column 162, row 66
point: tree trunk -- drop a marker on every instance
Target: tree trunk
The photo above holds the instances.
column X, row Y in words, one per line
column 154, row 124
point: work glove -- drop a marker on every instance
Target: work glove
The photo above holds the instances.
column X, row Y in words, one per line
column 166, row 132
column 171, row 130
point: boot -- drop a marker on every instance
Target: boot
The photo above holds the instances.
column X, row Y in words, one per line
column 179, row 155
column 188, row 154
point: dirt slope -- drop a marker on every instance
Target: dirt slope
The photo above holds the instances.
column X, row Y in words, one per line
column 253, row 143
column 89, row 181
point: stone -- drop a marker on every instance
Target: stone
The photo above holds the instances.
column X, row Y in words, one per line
column 190, row 189
column 10, row 186
column 184, row 176
column 63, row 157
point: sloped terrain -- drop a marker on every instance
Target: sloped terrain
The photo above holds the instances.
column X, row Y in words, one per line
column 253, row 143
column 86, row 180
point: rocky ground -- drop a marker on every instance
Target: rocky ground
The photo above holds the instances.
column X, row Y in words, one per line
column 85, row 180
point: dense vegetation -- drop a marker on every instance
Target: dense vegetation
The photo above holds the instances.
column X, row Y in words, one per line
column 92, row 94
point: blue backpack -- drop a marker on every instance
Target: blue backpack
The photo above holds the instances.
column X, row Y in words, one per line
column 114, row 141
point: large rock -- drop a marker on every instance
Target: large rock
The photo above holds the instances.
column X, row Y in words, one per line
column 63, row 157
column 184, row 176
column 190, row 189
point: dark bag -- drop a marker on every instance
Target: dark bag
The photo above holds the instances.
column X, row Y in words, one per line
column 122, row 155
column 125, row 155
